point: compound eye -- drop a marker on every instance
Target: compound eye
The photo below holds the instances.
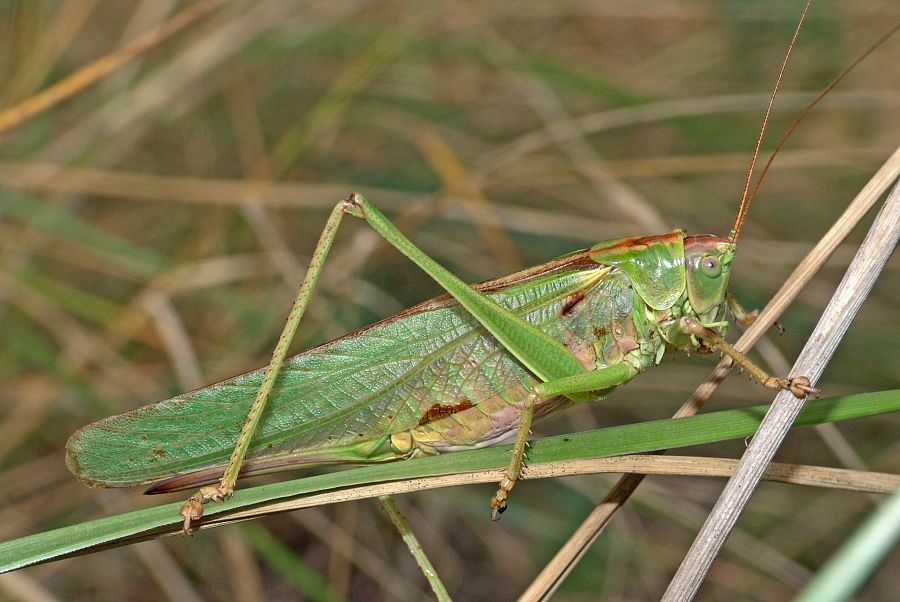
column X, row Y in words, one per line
column 711, row 266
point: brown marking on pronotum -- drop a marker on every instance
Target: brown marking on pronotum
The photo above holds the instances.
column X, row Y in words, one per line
column 571, row 301
column 438, row 411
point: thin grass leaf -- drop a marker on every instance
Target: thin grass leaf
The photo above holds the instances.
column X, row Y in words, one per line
column 291, row 566
column 134, row 259
column 633, row 438
column 858, row 557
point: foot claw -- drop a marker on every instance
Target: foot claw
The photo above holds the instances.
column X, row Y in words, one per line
column 498, row 504
column 801, row 387
column 192, row 509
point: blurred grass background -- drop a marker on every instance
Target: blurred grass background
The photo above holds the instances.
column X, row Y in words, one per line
column 154, row 227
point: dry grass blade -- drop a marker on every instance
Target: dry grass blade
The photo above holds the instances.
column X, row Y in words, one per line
column 578, row 543
column 853, row 290
column 99, row 69
column 815, row 476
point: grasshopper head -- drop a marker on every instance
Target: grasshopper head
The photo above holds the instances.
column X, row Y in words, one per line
column 708, row 266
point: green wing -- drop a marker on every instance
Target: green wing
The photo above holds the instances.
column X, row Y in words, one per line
column 341, row 401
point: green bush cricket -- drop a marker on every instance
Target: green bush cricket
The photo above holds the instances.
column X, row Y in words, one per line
column 564, row 332
column 461, row 371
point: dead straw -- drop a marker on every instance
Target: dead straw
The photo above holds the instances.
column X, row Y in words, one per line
column 868, row 263
column 580, row 541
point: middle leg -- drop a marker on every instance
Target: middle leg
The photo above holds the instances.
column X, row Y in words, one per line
column 595, row 380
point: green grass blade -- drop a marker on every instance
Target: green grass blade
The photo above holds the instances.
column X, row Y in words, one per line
column 73, row 299
column 390, row 508
column 285, row 561
column 134, row 259
column 855, row 561
column 634, row 438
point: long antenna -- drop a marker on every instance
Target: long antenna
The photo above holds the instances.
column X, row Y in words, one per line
column 746, row 201
column 812, row 104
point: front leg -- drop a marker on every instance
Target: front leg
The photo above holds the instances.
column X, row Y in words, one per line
column 799, row 386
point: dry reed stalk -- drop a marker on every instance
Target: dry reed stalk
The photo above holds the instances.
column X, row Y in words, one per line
column 580, row 541
column 90, row 74
column 859, row 279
